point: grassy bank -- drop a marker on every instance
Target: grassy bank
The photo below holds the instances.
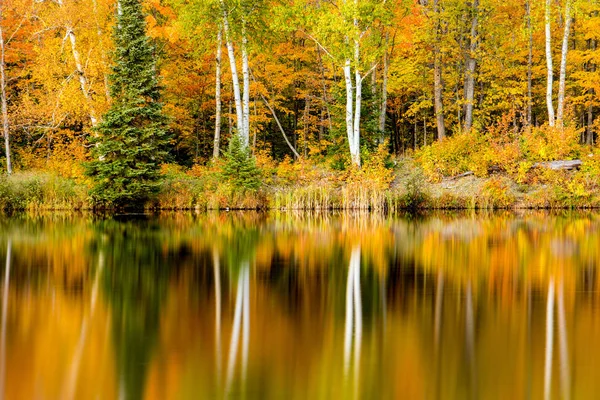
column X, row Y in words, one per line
column 405, row 186
column 382, row 184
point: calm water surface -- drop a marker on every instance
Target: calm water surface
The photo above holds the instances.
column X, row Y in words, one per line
column 262, row 306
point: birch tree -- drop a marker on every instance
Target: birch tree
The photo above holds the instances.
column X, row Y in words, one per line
column 352, row 27
column 217, row 139
column 470, row 69
column 5, row 127
column 81, row 75
column 241, row 97
column 558, row 119
column 563, row 64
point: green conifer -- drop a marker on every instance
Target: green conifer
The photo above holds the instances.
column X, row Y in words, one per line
column 132, row 140
column 240, row 167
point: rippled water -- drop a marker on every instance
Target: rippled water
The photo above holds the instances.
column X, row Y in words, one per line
column 300, row 306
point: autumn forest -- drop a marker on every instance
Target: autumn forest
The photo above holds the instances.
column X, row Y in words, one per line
column 300, row 104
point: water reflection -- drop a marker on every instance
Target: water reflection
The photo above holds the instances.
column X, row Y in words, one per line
column 241, row 321
column 353, row 330
column 300, row 306
column 4, row 316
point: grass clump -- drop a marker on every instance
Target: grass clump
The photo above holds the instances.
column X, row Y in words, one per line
column 41, row 191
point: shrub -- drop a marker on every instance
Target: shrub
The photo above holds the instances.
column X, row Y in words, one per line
column 496, row 193
column 452, row 156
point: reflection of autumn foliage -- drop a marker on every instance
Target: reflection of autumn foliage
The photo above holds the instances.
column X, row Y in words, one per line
column 452, row 304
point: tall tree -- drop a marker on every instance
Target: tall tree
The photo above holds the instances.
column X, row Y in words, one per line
column 4, row 100
column 563, row 64
column 470, row 68
column 132, row 137
column 217, row 140
column 438, row 105
column 549, row 65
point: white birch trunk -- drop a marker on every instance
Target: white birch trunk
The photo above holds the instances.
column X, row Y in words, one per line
column 102, row 52
column 83, row 83
column 349, row 106
column 357, row 106
column 246, row 91
column 353, row 98
column 5, row 127
column 563, row 65
column 234, row 75
column 217, row 140
column 383, row 106
column 549, row 65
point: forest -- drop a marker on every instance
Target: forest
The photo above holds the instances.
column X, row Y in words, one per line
column 306, row 104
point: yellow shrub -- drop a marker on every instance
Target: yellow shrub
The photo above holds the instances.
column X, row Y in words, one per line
column 452, row 156
column 550, row 143
column 496, row 193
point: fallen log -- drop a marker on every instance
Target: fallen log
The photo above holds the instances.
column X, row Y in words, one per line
column 455, row 177
column 559, row 165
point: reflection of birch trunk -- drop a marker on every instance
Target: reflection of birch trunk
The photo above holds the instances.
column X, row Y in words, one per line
column 563, row 345
column 349, row 319
column 353, row 317
column 549, row 339
column 71, row 379
column 246, row 324
column 4, row 316
column 216, row 266
column 529, row 345
column 241, row 317
column 470, row 338
column 439, row 294
column 437, row 326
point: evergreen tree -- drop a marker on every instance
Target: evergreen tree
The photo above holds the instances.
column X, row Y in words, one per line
column 240, row 167
column 131, row 141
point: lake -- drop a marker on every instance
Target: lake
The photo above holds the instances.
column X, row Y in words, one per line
column 303, row 306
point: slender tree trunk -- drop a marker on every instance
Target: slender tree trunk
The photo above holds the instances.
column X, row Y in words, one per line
column 246, row 91
column 589, row 128
column 5, row 127
column 529, row 59
column 470, row 70
column 217, row 140
column 234, row 76
column 383, row 107
column 305, row 124
column 324, row 85
column 438, row 104
column 549, row 66
column 349, row 106
column 357, row 105
column 590, row 110
column 102, row 52
column 83, row 82
column 230, row 122
column 563, row 65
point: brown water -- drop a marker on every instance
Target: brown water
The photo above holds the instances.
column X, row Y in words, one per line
column 288, row 306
